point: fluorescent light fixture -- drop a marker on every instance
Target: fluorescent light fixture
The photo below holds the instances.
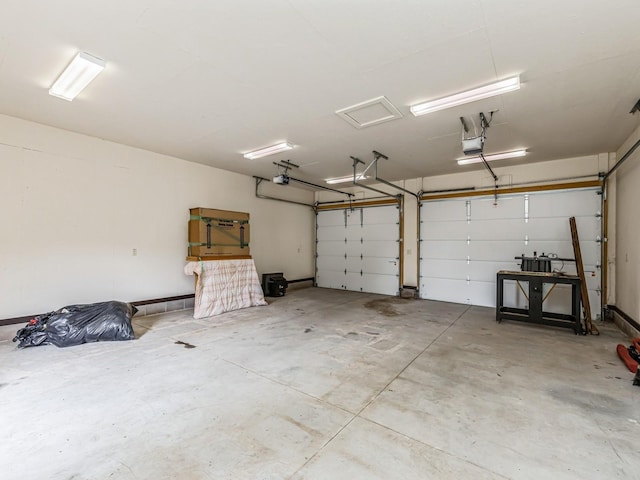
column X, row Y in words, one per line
column 497, row 88
column 273, row 149
column 493, row 156
column 79, row 73
column 345, row 179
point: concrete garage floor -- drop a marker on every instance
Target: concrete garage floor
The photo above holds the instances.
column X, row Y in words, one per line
column 323, row 384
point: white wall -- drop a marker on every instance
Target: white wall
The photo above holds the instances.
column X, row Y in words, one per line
column 474, row 177
column 627, row 230
column 73, row 208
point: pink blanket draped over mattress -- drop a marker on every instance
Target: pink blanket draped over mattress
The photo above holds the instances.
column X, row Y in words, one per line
column 224, row 285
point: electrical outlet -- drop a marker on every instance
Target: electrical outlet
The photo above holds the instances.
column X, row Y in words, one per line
column 134, row 252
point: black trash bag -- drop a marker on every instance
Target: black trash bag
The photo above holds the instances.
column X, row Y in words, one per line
column 77, row 324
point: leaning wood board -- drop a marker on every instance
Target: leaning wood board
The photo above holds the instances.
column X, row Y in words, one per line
column 584, row 292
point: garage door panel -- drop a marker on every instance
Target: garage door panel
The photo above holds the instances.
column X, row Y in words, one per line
column 353, row 217
column 443, row 249
column 558, row 228
column 330, row 248
column 330, row 279
column 331, row 233
column 380, row 265
column 330, row 217
column 353, row 248
column 452, row 230
column 497, row 234
column 366, row 249
column 444, row 210
column 380, row 248
column 511, row 208
column 563, row 248
column 594, row 302
column 564, row 204
column 588, row 227
column 353, row 281
column 444, row 289
column 332, row 263
column 593, row 281
column 450, row 269
column 485, row 271
column 548, row 229
column 590, row 253
column 353, row 264
column 382, row 284
column 380, row 232
column 513, row 296
column 497, row 229
column 502, row 251
column 381, row 215
column 354, row 233
column 482, row 293
column 558, row 300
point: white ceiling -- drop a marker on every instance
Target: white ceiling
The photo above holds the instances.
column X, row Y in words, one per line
column 207, row 80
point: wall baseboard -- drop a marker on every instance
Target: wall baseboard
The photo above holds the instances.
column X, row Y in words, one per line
column 145, row 307
column 624, row 322
column 152, row 306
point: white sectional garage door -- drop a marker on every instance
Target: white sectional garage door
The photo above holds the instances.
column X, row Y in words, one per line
column 358, row 249
column 464, row 242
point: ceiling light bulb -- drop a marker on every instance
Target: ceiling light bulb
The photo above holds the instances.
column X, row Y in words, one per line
column 263, row 152
column 493, row 156
column 345, row 179
column 78, row 74
column 497, row 88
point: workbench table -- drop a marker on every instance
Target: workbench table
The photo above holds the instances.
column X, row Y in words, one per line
column 535, row 312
